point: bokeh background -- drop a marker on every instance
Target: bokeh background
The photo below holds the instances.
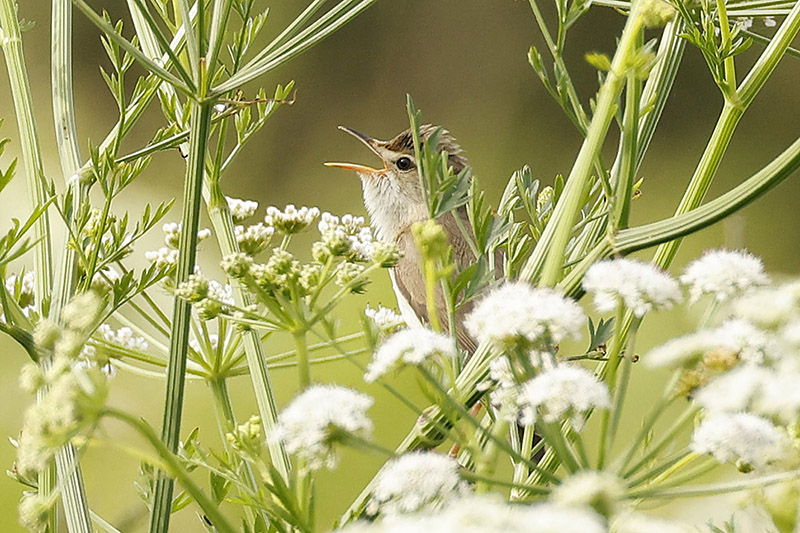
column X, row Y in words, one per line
column 464, row 62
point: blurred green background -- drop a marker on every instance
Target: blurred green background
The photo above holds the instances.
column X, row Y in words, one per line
column 464, row 63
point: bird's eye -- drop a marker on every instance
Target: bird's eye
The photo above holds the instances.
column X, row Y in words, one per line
column 404, row 163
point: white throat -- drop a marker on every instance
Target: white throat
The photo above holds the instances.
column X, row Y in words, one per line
column 390, row 208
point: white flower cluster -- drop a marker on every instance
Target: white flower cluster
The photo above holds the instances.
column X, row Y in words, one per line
column 516, row 312
column 565, row 390
column 411, row 346
column 723, row 274
column 735, row 336
column 290, row 220
column 253, row 239
column 383, row 317
column 489, row 514
column 124, row 337
column 601, row 491
column 348, row 237
column 241, row 209
column 416, row 481
column 640, row 286
column 749, row 441
column 23, row 290
column 172, row 234
column 309, row 425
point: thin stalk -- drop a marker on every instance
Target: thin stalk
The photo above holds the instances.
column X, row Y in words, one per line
column 666, row 439
column 487, row 461
column 303, row 366
column 549, row 252
column 716, row 488
column 226, row 422
column 726, row 125
column 175, row 469
column 610, row 369
column 220, row 216
column 31, row 149
column 729, row 87
column 176, row 371
column 623, row 192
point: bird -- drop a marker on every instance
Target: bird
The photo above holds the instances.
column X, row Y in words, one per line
column 394, row 200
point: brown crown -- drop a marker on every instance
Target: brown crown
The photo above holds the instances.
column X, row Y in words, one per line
column 404, row 142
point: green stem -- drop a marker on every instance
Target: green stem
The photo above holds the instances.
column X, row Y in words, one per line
column 549, row 252
column 176, row 371
column 220, row 217
column 174, row 467
column 725, row 36
column 226, row 422
column 610, row 369
column 487, row 461
column 726, row 125
column 31, row 149
column 303, row 366
column 715, row 489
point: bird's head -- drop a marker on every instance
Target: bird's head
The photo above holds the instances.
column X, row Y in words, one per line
column 393, row 194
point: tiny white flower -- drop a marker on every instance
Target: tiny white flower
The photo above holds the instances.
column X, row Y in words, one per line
column 744, row 23
column 410, row 346
column 601, row 491
column 735, row 390
column 640, row 286
column 769, row 307
column 213, row 343
column 25, row 295
column 291, row 219
column 749, row 441
column 124, row 336
column 415, row 481
column 770, row 22
column 724, row 274
column 518, row 312
column 163, row 257
column 683, row 351
column 308, row 425
column 383, row 317
column 563, row 390
column 172, row 234
column 253, row 239
column 220, row 108
column 750, row 343
column 241, row 209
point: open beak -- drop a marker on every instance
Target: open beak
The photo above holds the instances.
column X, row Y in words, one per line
column 371, row 143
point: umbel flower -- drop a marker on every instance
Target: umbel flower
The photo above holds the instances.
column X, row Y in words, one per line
column 640, row 286
column 749, row 441
column 488, row 514
column 518, row 313
column 411, row 346
column 313, row 422
column 564, row 390
column 723, row 274
column 415, row 481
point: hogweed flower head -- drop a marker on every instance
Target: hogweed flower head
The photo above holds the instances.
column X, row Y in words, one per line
column 172, row 234
column 237, row 265
column 518, row 313
column 253, row 239
column 601, row 491
column 383, row 317
column 163, row 257
column 124, row 337
column 769, row 307
column 241, row 209
column 313, row 422
column 411, row 346
column 564, row 390
column 416, row 481
column 349, row 274
column 34, row 511
column 723, row 274
column 290, row 220
column 431, row 239
column 640, row 286
column 247, row 438
column 749, row 441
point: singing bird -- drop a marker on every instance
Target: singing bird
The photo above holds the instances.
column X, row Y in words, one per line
column 394, row 200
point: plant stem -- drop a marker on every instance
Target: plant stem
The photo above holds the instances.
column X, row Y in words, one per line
column 176, row 469
column 549, row 252
column 610, row 369
column 179, row 337
column 303, row 366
